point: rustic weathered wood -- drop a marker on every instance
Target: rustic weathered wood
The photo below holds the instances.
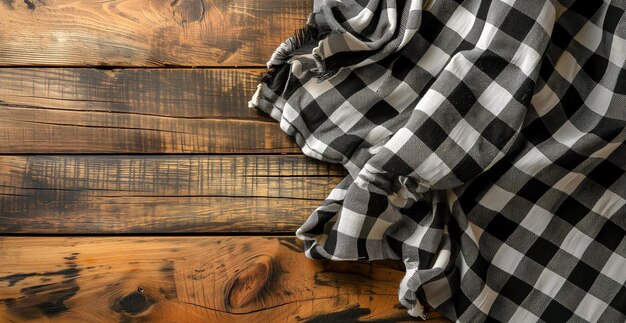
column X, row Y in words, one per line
column 160, row 194
column 190, row 279
column 134, row 111
column 146, row 32
column 27, row 130
column 182, row 92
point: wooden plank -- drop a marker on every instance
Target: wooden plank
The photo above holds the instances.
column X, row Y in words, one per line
column 26, row 130
column 134, row 111
column 146, row 32
column 182, row 92
column 190, row 279
column 160, row 194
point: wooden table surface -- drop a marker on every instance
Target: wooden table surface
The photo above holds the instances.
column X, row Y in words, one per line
column 136, row 185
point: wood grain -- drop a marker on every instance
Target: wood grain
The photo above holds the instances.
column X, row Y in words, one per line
column 182, row 92
column 146, row 32
column 161, row 194
column 190, row 279
column 134, row 111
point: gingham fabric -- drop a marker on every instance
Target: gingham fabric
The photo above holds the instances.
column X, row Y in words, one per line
column 484, row 142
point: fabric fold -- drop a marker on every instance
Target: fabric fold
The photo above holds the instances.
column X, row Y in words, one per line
column 473, row 133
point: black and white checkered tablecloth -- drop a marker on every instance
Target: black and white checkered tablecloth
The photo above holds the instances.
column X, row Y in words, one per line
column 485, row 146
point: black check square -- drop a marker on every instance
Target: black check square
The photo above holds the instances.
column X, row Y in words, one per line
column 491, row 64
column 542, row 251
column 313, row 116
column 497, row 132
column 595, row 67
column 381, row 112
column 605, row 173
column 516, row 290
column 533, row 190
column 347, row 144
column 612, row 17
column 466, row 168
column 501, row 227
column 462, row 98
column 570, row 160
column 572, row 101
column 572, row 211
column 431, row 134
column 611, row 235
column 583, row 276
column 619, row 300
column 435, row 26
column 350, row 85
column 557, row 313
column 608, row 128
column 397, row 164
column 517, row 24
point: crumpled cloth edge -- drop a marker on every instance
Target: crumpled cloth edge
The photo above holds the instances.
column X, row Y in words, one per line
column 265, row 100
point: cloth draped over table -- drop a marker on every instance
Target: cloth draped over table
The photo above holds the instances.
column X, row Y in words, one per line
column 484, row 142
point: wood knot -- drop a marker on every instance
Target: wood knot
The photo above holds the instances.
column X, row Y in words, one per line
column 248, row 284
column 187, row 11
column 134, row 303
